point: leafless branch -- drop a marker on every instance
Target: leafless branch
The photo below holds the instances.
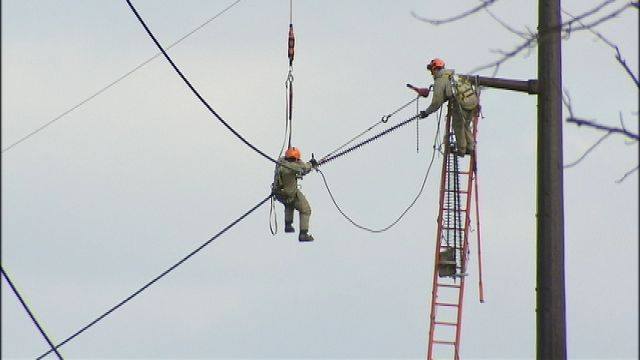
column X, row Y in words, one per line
column 627, row 174
column 531, row 40
column 484, row 4
column 618, row 55
column 584, row 155
column 610, row 129
column 521, row 34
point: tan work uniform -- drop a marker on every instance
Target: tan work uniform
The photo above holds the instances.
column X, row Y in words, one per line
column 443, row 92
column 286, row 190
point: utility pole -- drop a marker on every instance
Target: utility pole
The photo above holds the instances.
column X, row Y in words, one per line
column 550, row 294
column 550, row 283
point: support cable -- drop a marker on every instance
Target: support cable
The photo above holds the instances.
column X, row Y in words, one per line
column 195, row 92
column 33, row 318
column 424, row 181
column 114, row 82
column 167, row 271
column 384, row 119
column 328, row 158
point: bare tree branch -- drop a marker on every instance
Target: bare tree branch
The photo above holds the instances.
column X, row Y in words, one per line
column 531, row 40
column 521, row 34
column 627, row 174
column 618, row 55
column 483, row 5
column 584, row 155
column 610, row 129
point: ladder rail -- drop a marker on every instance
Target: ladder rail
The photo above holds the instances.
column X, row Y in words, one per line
column 454, row 222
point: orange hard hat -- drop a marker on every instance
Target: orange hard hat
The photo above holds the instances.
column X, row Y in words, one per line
column 436, row 64
column 292, row 152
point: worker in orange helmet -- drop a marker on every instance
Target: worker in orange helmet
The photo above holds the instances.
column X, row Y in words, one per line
column 443, row 92
column 285, row 189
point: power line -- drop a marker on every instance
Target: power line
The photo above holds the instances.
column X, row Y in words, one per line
column 114, row 82
column 137, row 292
column 193, row 89
column 33, row 318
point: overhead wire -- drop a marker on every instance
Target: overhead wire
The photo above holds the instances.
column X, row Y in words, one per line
column 114, row 82
column 193, row 89
column 33, row 318
column 164, row 273
column 406, row 210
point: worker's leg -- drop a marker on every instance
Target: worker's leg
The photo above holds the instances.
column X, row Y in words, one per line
column 302, row 205
column 288, row 212
column 459, row 129
column 468, row 117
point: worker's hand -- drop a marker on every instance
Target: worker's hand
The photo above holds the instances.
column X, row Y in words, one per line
column 423, row 114
column 313, row 163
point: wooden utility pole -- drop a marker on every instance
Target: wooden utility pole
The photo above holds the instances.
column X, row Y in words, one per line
column 550, row 283
column 550, row 294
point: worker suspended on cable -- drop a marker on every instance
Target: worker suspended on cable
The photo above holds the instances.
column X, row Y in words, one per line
column 463, row 99
column 285, row 189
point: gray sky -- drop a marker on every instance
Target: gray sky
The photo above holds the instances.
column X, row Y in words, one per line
column 111, row 195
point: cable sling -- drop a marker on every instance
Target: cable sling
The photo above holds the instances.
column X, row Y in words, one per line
column 193, row 89
column 33, row 318
column 167, row 271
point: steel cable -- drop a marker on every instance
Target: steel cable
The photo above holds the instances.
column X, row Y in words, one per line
column 114, row 82
column 195, row 92
column 137, row 292
column 33, row 318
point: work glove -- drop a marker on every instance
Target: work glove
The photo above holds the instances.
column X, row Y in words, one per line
column 313, row 162
column 423, row 114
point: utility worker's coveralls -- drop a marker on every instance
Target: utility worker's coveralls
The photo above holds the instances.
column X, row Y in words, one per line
column 443, row 92
column 285, row 189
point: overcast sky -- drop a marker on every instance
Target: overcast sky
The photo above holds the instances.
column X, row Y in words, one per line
column 112, row 194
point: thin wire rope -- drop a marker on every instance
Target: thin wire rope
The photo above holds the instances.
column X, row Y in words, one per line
column 167, row 271
column 384, row 119
column 33, row 318
column 193, row 89
column 424, row 181
column 114, row 82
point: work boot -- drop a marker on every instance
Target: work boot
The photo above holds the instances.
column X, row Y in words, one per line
column 461, row 152
column 304, row 236
column 288, row 228
column 469, row 151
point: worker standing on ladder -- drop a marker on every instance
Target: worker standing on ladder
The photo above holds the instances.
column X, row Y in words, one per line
column 285, row 189
column 444, row 91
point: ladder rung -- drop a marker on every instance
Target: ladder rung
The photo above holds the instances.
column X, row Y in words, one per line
column 448, row 285
column 446, row 304
column 460, row 191
column 452, row 228
column 460, row 210
column 445, row 323
column 458, row 172
column 444, row 342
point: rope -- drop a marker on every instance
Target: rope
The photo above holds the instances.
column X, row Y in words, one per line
column 114, row 82
column 195, row 92
column 424, row 181
column 167, row 271
column 33, row 318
